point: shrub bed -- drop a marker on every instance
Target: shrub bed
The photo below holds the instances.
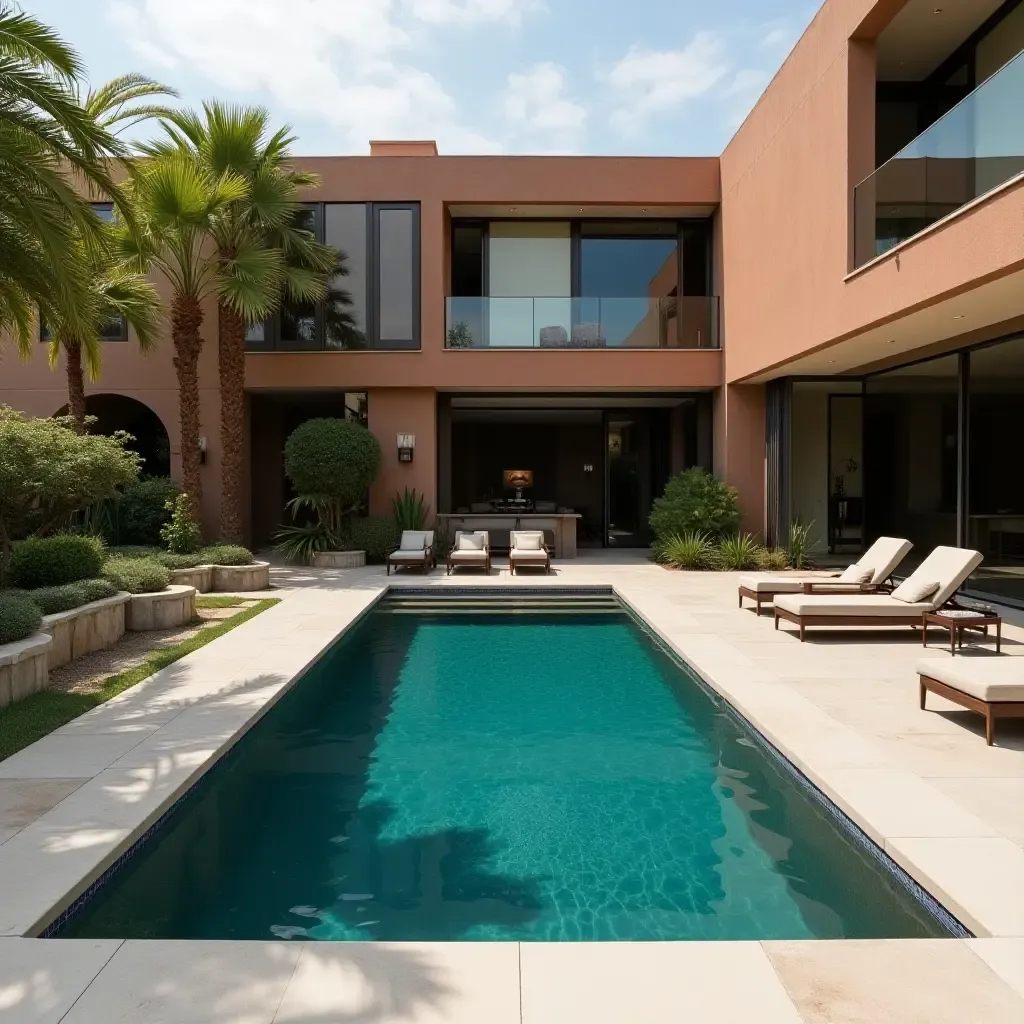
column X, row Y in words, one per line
column 694, row 550
column 51, row 600
column 20, row 616
column 376, row 535
column 696, row 501
column 215, row 554
column 137, row 575
column 53, row 561
column 142, row 511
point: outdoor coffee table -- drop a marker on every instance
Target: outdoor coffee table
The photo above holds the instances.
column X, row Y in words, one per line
column 956, row 620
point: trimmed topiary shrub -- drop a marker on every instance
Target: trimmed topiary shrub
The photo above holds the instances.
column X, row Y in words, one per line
column 332, row 458
column 51, row 600
column 20, row 616
column 142, row 510
column 225, row 554
column 52, row 561
column 137, row 575
column 696, row 501
column 376, row 535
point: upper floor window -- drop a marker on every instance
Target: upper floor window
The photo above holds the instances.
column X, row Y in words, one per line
column 372, row 300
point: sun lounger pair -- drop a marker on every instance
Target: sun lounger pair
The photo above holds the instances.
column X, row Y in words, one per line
column 871, row 572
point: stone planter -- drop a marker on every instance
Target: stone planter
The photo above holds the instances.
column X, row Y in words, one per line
column 85, row 629
column 166, row 609
column 201, row 577
column 239, row 578
column 339, row 559
column 23, row 668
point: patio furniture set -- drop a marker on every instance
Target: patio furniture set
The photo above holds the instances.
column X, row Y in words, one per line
column 864, row 595
column 470, row 550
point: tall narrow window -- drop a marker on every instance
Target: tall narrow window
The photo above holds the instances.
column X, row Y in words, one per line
column 298, row 319
column 345, row 304
column 396, row 295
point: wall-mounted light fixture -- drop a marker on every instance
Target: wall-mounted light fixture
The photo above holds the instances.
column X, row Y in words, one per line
column 406, row 444
column 202, row 449
column 588, row 467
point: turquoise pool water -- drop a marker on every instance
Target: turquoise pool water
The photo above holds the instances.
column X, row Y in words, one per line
column 478, row 776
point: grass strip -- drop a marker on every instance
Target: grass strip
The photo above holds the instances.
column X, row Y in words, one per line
column 219, row 601
column 28, row 720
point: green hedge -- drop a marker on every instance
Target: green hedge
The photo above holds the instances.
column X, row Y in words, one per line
column 20, row 617
column 215, row 554
column 71, row 595
column 137, row 575
column 52, row 561
column 376, row 535
column 142, row 512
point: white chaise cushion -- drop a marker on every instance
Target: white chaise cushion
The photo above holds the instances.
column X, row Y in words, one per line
column 883, row 556
column 412, row 540
column 774, row 584
column 988, row 679
column 950, row 566
column 913, row 591
column 880, row 605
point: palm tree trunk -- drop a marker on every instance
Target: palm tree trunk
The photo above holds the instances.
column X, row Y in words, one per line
column 231, row 353
column 186, row 319
column 76, row 384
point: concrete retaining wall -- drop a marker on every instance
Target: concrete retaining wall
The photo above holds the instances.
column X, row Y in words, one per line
column 85, row 629
column 23, row 669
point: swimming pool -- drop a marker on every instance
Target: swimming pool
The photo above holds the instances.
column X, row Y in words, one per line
column 543, row 772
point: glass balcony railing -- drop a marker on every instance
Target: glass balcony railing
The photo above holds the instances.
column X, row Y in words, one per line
column 563, row 322
column 970, row 150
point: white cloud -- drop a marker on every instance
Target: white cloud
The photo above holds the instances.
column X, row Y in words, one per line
column 441, row 12
column 535, row 107
column 646, row 82
column 350, row 64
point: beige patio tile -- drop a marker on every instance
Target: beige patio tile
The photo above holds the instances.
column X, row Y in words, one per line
column 909, row 981
column 1005, row 957
column 404, row 983
column 997, row 801
column 888, row 803
column 39, row 980
column 156, row 982
column 954, row 755
column 24, row 800
column 981, row 881
column 69, row 755
column 651, row 983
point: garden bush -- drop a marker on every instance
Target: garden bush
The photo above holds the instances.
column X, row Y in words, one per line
column 332, row 458
column 181, row 532
column 690, row 550
column 51, row 600
column 739, row 552
column 774, row 560
column 225, row 554
column 696, row 501
column 137, row 575
column 20, row 616
column 52, row 561
column 142, row 510
column 376, row 535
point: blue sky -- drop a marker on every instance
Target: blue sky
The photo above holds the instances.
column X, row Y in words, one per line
column 479, row 76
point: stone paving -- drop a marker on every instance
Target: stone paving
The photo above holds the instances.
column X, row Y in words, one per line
column 842, row 706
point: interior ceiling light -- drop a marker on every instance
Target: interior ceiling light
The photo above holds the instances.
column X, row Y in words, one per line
column 937, row 10
column 959, row 316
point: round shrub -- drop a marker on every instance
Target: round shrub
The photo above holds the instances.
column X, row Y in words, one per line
column 137, row 575
column 142, row 510
column 696, row 501
column 332, row 458
column 20, row 616
column 376, row 535
column 225, row 554
column 51, row 561
column 171, row 560
column 51, row 600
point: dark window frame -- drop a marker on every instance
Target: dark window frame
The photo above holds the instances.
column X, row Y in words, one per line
column 271, row 341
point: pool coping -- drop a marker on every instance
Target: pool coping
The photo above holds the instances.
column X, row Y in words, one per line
column 301, row 632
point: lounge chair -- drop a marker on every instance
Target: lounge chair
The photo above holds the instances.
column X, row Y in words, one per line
column 871, row 572
column 415, row 550
column 994, row 687
column 930, row 586
column 527, row 547
column 470, row 549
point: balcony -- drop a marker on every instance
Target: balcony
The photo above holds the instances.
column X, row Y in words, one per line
column 577, row 322
column 974, row 148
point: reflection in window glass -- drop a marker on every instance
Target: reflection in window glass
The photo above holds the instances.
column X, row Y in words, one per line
column 395, row 268
column 345, row 304
column 298, row 319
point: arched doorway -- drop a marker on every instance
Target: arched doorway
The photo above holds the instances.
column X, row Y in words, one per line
column 119, row 412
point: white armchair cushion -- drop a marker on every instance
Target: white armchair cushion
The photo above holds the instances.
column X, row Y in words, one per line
column 532, row 540
column 413, row 540
column 470, row 542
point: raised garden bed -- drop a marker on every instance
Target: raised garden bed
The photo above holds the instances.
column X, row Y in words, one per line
column 85, row 629
column 224, row 578
column 23, row 667
column 165, row 609
column 339, row 559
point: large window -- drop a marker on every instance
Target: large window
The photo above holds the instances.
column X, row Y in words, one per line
column 372, row 300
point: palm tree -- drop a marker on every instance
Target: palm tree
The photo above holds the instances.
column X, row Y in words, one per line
column 47, row 140
column 262, row 229
column 176, row 204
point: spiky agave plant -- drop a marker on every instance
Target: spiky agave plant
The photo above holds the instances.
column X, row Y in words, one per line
column 691, row 549
column 410, row 509
column 739, row 552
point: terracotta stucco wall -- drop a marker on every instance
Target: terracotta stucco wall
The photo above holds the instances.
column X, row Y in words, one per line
column 394, row 411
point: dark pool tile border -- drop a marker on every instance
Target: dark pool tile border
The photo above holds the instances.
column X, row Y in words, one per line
column 850, row 829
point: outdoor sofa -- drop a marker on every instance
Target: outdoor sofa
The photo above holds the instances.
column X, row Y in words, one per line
column 527, row 547
column 871, row 572
column 929, row 587
column 994, row 687
column 470, row 550
column 415, row 551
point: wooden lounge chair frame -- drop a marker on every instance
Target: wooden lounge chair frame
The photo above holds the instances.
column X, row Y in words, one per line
column 913, row 619
column 827, row 585
column 528, row 562
column 469, row 564
column 423, row 564
column 990, row 709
